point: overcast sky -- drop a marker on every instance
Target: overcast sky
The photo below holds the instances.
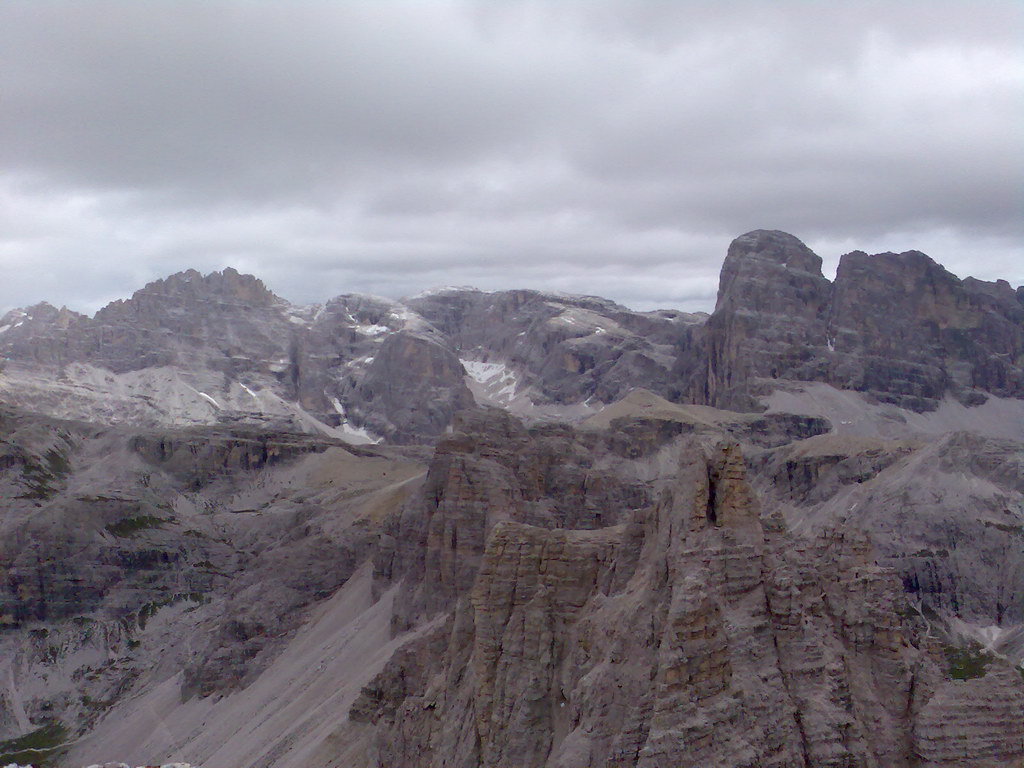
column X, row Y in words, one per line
column 612, row 148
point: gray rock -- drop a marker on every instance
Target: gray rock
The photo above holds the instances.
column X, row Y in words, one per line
column 896, row 326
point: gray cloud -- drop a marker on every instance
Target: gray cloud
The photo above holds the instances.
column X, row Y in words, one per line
column 610, row 147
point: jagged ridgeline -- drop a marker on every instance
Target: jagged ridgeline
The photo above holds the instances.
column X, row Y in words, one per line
column 519, row 529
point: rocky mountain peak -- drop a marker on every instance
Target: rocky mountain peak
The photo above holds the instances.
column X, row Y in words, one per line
column 765, row 257
column 775, row 245
column 899, row 326
column 771, row 297
column 190, row 287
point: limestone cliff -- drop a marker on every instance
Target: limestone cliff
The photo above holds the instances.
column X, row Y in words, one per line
column 896, row 326
column 690, row 629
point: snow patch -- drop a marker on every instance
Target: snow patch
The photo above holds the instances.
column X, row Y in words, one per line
column 495, row 383
column 209, row 399
column 990, row 637
column 350, row 432
column 372, row 330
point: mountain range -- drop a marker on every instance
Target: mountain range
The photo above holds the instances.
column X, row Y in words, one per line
column 517, row 527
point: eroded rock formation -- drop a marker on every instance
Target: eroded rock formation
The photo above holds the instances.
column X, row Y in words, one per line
column 896, row 326
column 692, row 630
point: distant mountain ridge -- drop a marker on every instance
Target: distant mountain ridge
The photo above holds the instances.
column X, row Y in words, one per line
column 897, row 327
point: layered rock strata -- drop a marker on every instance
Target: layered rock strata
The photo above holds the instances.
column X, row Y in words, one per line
column 897, row 326
column 691, row 630
column 127, row 558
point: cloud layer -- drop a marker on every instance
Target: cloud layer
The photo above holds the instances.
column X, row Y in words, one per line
column 611, row 147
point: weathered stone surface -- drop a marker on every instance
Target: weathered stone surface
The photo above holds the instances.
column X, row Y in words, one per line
column 567, row 348
column 897, row 326
column 946, row 512
column 693, row 631
column 630, row 592
column 128, row 558
column 770, row 318
column 972, row 722
column 413, row 387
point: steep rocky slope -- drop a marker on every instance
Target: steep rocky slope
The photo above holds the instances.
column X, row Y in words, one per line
column 223, row 349
column 691, row 628
column 567, row 349
column 615, row 594
column 129, row 557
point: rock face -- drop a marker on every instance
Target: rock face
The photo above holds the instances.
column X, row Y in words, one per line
column 896, row 326
column 692, row 629
column 626, row 592
column 412, row 387
column 770, row 317
column 128, row 555
column 223, row 349
column 567, row 349
column 227, row 318
column 945, row 512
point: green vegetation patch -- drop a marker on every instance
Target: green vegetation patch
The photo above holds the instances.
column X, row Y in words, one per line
column 147, row 611
column 40, row 477
column 1013, row 530
column 129, row 526
column 41, row 748
column 966, row 663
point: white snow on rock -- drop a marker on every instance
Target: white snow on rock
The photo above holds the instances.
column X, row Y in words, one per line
column 208, row 398
column 496, row 379
column 372, row 330
column 410, row 320
column 350, row 432
column 497, row 385
column 491, row 383
column 441, row 290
